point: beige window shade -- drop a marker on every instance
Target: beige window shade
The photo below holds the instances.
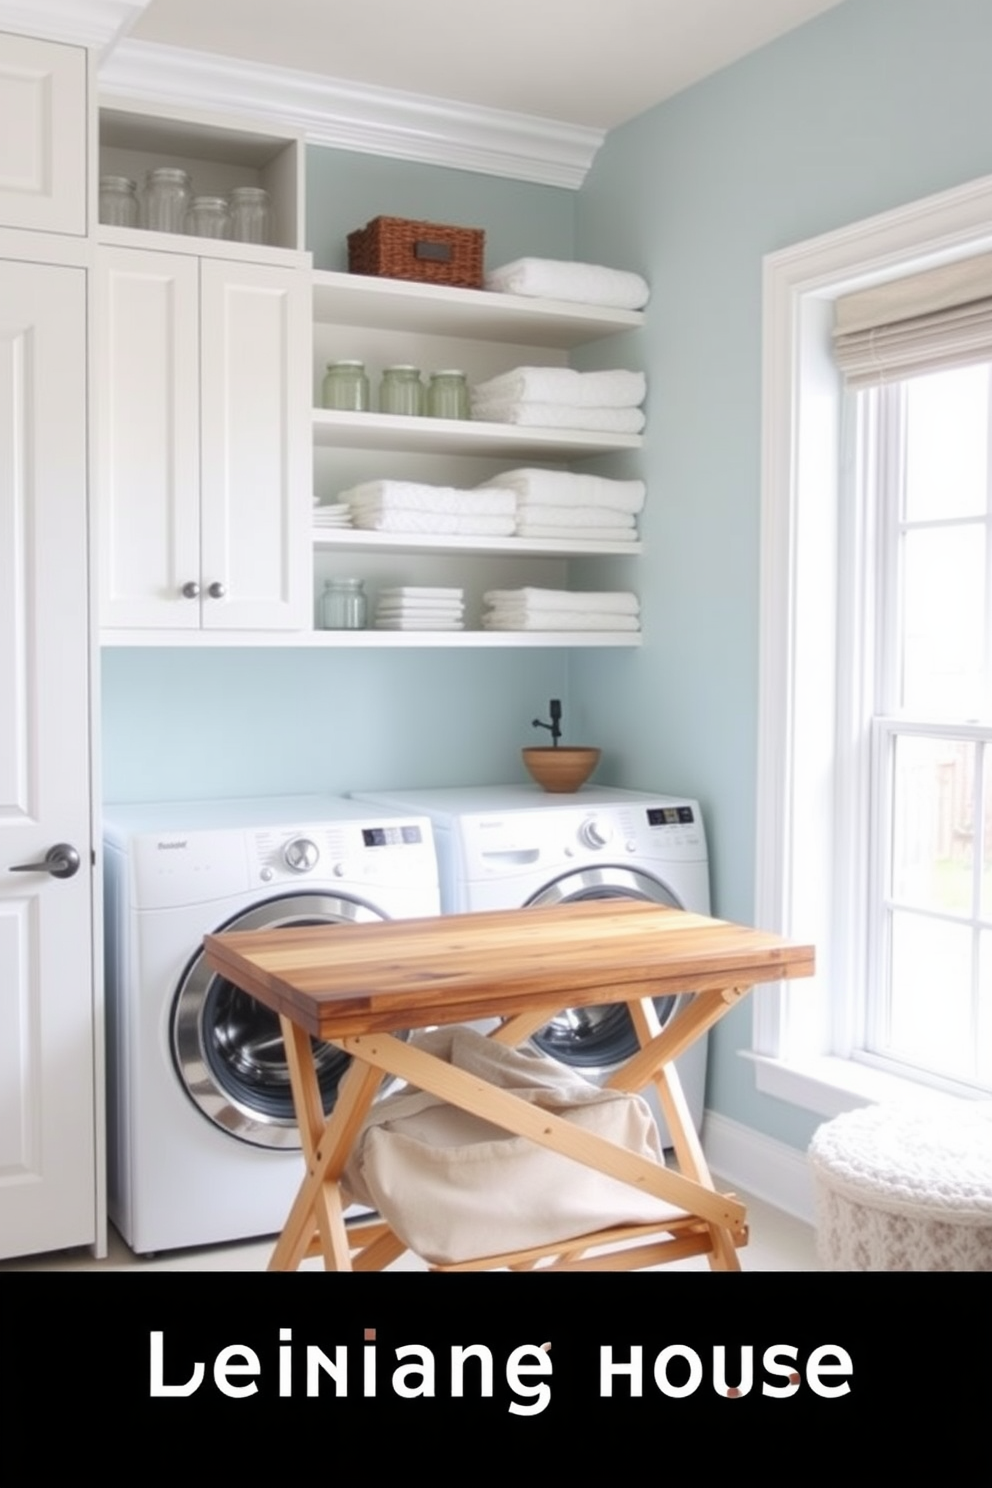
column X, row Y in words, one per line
column 920, row 323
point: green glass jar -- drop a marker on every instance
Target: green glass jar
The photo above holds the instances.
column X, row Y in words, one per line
column 346, row 387
column 401, row 391
column 447, row 396
column 343, row 605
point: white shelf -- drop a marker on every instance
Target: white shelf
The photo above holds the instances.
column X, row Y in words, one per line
column 474, row 314
column 227, row 248
column 361, row 540
column 431, row 436
column 371, row 639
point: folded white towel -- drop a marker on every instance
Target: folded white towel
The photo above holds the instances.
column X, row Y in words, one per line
column 557, row 279
column 561, row 416
column 409, row 624
column 578, row 516
column 576, row 534
column 434, row 523
column 403, row 609
column 412, row 496
column 617, row 602
column 533, row 485
column 613, row 388
column 526, row 619
column 422, row 591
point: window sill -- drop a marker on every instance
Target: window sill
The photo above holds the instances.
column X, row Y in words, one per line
column 829, row 1085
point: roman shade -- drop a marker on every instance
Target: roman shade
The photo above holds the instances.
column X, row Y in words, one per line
column 922, row 322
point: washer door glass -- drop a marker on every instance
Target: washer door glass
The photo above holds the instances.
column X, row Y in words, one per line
column 227, row 1047
column 600, row 1037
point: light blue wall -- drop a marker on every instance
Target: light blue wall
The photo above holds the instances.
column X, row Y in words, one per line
column 876, row 103
column 190, row 723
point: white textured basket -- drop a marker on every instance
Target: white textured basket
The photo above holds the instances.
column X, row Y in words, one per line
column 905, row 1190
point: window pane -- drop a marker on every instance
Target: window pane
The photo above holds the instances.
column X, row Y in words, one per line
column 947, row 444
column 943, row 621
column 932, row 822
column 929, row 1020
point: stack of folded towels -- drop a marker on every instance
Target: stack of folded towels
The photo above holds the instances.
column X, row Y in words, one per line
column 558, row 504
column 559, row 609
column 561, row 398
column 560, row 279
column 409, row 507
column 413, row 607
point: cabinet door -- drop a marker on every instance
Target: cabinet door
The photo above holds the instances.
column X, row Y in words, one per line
column 256, row 479
column 147, row 420
column 48, row 1196
column 42, row 135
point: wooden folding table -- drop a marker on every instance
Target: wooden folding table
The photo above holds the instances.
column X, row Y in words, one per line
column 360, row 986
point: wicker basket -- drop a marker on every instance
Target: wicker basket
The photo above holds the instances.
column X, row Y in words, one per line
column 396, row 248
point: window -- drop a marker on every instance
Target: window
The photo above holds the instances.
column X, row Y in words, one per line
column 875, row 718
column 922, row 481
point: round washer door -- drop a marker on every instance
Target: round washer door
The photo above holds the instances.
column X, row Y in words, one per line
column 227, row 1047
column 600, row 1037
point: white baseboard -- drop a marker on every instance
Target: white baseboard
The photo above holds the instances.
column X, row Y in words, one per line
column 763, row 1166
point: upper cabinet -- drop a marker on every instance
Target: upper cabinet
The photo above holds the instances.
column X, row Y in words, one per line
column 202, row 443
column 43, row 182
column 217, row 158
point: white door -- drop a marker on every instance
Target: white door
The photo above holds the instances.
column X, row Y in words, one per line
column 47, row 1108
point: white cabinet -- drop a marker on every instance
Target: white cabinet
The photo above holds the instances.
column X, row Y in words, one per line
column 203, row 451
column 42, row 135
column 48, row 1089
column 386, row 320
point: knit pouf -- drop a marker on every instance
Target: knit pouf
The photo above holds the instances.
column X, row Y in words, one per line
column 901, row 1190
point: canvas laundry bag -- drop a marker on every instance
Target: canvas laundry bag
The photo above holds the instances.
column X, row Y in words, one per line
column 455, row 1187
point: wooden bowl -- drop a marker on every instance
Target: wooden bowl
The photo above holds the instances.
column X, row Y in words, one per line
column 563, row 769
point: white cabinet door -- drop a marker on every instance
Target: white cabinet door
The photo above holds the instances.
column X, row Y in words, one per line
column 47, row 1108
column 42, row 138
column 203, row 446
column 148, row 453
column 255, row 446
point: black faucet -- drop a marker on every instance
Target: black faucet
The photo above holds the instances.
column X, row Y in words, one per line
column 555, row 725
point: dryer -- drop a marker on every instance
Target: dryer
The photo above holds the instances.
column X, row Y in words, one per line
column 202, row 1141
column 500, row 847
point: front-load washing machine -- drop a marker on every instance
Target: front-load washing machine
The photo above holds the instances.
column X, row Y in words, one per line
column 202, row 1140
column 503, row 847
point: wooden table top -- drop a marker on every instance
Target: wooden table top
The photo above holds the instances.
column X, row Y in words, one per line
column 338, row 980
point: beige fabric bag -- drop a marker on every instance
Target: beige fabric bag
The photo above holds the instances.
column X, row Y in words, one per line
column 454, row 1186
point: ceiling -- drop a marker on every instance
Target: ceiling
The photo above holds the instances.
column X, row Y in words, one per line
column 594, row 63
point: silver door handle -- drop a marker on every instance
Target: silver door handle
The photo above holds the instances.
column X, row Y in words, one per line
column 61, row 861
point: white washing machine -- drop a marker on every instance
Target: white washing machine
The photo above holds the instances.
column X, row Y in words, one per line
column 202, row 1141
column 502, row 847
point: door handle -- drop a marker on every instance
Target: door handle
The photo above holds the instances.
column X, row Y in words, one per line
column 61, row 861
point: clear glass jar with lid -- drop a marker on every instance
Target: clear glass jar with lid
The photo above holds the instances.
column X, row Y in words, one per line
column 249, row 214
column 343, row 605
column 208, row 217
column 447, row 395
column 401, row 391
column 346, row 386
column 118, row 201
column 166, row 199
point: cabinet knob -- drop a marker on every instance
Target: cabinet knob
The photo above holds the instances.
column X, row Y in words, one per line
column 216, row 590
column 190, row 590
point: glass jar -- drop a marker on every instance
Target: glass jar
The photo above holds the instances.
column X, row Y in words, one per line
column 166, row 200
column 208, row 217
column 343, row 605
column 249, row 214
column 118, row 201
column 447, row 396
column 346, row 386
column 401, row 391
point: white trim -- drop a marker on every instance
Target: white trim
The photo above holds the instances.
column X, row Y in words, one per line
column 354, row 116
column 801, row 416
column 762, row 1166
column 95, row 23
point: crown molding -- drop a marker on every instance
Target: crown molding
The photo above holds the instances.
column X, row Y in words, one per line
column 353, row 116
column 91, row 23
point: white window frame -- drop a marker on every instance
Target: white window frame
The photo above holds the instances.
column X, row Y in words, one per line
column 802, row 1036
